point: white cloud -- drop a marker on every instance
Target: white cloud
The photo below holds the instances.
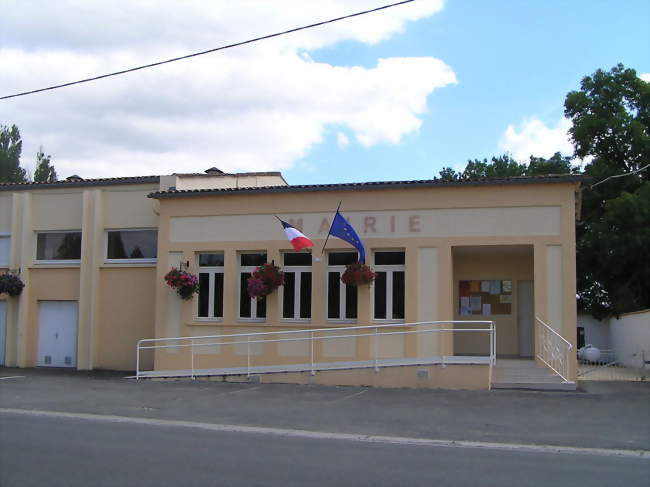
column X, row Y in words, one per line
column 342, row 140
column 535, row 138
column 645, row 77
column 257, row 107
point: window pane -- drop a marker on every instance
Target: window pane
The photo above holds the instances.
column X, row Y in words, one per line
column 380, row 295
column 4, row 250
column 211, row 260
column 302, row 258
column 389, row 258
column 333, row 295
column 350, row 302
column 58, row 246
column 244, row 299
column 261, row 308
column 132, row 244
column 305, row 294
column 398, row 295
column 289, row 300
column 218, row 295
column 204, row 294
column 342, row 258
column 256, row 259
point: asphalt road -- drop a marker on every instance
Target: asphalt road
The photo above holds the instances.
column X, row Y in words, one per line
column 50, row 451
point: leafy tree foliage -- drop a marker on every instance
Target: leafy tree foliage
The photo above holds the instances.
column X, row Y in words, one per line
column 11, row 145
column 45, row 172
column 611, row 124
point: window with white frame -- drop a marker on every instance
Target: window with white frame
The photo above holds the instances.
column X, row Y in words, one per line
column 296, row 292
column 58, row 247
column 131, row 245
column 389, row 285
column 210, row 301
column 250, row 308
column 341, row 298
column 5, row 246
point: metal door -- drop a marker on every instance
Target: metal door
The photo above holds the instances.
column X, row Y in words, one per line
column 57, row 334
column 525, row 318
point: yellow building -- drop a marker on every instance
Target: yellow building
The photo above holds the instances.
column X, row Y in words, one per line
column 93, row 254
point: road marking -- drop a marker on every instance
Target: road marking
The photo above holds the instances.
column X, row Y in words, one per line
column 350, row 396
column 13, row 377
column 323, row 435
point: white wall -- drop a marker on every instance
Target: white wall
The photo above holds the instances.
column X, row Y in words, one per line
column 596, row 331
column 629, row 335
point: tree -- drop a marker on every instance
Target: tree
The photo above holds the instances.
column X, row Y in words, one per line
column 11, row 145
column 505, row 166
column 557, row 164
column 611, row 124
column 44, row 172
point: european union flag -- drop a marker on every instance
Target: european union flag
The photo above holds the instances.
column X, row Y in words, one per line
column 342, row 229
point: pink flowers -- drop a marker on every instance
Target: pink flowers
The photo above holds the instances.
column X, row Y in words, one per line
column 185, row 283
column 357, row 274
column 264, row 280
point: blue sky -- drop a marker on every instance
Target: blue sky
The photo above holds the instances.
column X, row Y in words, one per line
column 392, row 95
column 513, row 60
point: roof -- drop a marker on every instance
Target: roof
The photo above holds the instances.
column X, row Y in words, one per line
column 68, row 183
column 213, row 173
column 427, row 183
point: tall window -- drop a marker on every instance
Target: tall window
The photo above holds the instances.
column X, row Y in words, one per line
column 296, row 297
column 132, row 245
column 389, row 285
column 58, row 246
column 341, row 298
column 250, row 308
column 210, row 302
column 5, row 245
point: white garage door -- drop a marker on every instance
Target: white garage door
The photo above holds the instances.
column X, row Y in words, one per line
column 3, row 330
column 57, row 334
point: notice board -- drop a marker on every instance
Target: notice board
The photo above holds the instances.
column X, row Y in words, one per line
column 485, row 297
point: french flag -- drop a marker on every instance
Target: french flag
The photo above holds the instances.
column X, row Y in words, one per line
column 297, row 239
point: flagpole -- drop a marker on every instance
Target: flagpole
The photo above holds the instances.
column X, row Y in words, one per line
column 328, row 233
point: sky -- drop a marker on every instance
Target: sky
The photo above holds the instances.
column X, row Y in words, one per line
column 393, row 95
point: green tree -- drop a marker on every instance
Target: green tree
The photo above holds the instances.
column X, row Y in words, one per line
column 611, row 125
column 44, row 172
column 556, row 164
column 498, row 167
column 11, row 145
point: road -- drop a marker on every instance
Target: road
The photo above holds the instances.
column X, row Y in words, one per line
column 57, row 451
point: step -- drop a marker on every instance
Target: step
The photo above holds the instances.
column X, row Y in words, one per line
column 536, row 386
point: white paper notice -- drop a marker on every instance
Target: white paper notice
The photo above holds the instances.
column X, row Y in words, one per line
column 487, row 309
column 485, row 286
column 495, row 287
column 475, row 303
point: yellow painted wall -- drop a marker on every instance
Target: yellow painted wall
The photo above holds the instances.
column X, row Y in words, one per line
column 126, row 315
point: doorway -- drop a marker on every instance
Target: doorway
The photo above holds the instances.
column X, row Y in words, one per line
column 526, row 318
column 57, row 334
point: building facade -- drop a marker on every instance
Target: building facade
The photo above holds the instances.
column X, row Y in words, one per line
column 93, row 254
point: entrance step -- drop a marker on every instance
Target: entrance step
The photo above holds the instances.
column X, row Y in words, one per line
column 526, row 374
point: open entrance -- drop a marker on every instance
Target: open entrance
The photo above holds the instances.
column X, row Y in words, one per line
column 495, row 282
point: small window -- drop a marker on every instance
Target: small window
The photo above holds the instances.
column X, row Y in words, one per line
column 296, row 292
column 132, row 245
column 5, row 245
column 58, row 246
column 341, row 298
column 250, row 308
column 389, row 292
column 210, row 302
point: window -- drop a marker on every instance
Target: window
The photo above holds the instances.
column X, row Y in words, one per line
column 250, row 308
column 5, row 245
column 210, row 302
column 389, row 285
column 296, row 293
column 132, row 245
column 58, row 246
column 341, row 298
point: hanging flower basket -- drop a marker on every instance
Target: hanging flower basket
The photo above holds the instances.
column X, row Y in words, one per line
column 185, row 283
column 265, row 279
column 11, row 284
column 357, row 274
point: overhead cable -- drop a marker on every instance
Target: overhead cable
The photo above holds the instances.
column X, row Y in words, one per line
column 228, row 46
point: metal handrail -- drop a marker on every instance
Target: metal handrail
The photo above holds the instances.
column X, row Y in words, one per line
column 311, row 338
column 554, row 362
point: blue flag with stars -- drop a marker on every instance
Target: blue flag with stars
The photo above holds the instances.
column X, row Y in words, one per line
column 342, row 229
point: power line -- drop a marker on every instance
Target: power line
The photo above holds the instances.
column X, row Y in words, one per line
column 620, row 176
column 236, row 44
